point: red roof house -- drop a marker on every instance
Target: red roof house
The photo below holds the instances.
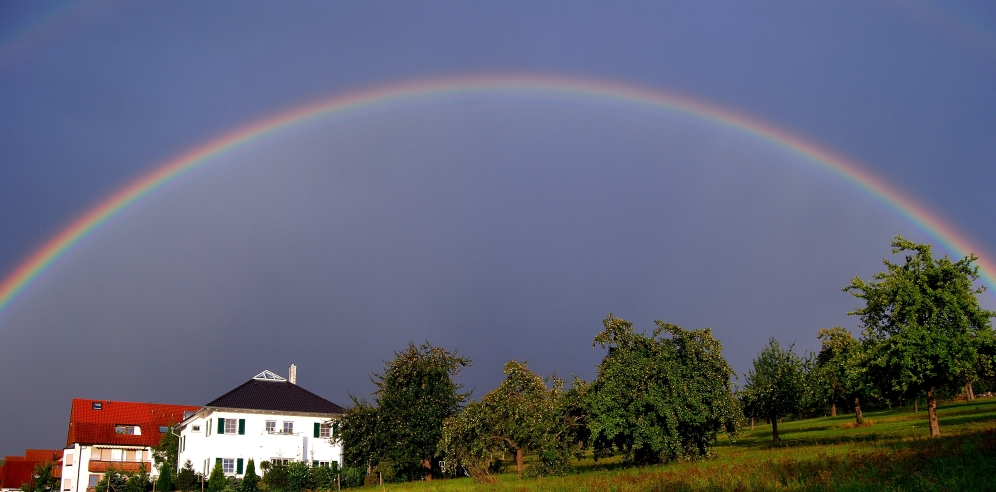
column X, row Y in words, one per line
column 119, row 434
column 19, row 470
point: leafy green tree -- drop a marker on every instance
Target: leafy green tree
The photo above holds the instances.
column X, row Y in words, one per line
column 43, row 479
column 217, row 480
column 323, row 477
column 521, row 415
column 656, row 398
column 138, row 481
column 923, row 326
column 186, row 479
column 776, row 385
column 841, row 367
column 274, row 475
column 250, row 480
column 361, row 444
column 165, row 457
column 299, row 477
column 113, row 481
column 415, row 394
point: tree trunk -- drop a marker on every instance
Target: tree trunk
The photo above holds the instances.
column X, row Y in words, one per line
column 935, row 426
column 518, row 463
column 774, row 429
column 857, row 411
column 752, row 423
column 833, row 409
column 969, row 394
column 916, row 405
column 427, row 468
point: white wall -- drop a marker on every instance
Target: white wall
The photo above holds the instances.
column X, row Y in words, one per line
column 202, row 448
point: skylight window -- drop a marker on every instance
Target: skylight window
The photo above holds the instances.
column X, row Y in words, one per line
column 269, row 376
column 97, row 405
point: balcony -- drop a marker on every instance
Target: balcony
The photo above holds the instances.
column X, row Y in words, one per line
column 127, row 466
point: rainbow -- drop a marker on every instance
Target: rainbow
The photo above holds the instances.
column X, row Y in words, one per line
column 435, row 91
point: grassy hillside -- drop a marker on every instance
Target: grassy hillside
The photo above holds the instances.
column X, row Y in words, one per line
column 894, row 453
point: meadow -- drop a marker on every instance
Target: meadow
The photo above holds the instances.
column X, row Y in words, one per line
column 820, row 454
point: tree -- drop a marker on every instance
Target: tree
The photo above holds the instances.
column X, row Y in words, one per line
column 361, row 446
column 44, row 481
column 299, row 477
column 415, row 394
column 840, row 365
column 521, row 415
column 113, row 481
column 250, row 481
column 775, row 386
column 657, row 399
column 923, row 326
column 217, row 480
column 165, row 456
column 186, row 479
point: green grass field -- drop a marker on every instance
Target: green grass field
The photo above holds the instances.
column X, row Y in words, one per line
column 895, row 453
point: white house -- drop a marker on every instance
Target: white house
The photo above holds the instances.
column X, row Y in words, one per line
column 266, row 418
column 106, row 434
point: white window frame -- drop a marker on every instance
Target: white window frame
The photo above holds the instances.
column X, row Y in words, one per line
column 232, row 426
column 94, row 480
column 288, row 427
column 325, row 430
column 67, row 484
column 228, row 466
column 271, row 426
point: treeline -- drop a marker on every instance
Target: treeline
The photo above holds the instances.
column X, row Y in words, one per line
column 669, row 395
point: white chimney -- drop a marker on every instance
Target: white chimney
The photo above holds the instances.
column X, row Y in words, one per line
column 292, row 374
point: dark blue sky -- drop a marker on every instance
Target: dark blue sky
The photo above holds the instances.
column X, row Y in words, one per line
column 508, row 228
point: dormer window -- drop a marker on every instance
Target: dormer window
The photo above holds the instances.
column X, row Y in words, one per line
column 128, row 430
column 97, row 405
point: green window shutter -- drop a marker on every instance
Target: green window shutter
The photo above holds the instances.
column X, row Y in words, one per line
column 221, row 426
column 242, row 428
column 314, row 463
column 335, row 429
column 217, row 461
column 238, row 466
column 318, row 429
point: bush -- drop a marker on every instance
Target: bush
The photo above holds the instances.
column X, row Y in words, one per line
column 352, row 476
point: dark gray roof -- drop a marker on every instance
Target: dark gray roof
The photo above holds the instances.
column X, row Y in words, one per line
column 282, row 396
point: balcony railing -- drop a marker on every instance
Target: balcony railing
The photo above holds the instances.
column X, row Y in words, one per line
column 127, row 466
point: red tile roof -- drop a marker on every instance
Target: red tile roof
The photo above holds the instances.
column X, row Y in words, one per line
column 18, row 470
column 90, row 426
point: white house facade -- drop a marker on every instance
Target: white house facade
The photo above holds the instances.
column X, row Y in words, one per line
column 267, row 418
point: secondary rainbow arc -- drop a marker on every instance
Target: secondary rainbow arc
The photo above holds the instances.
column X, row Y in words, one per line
column 358, row 103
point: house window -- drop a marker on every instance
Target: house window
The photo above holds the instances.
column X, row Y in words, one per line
column 271, row 426
column 228, row 466
column 326, row 464
column 128, row 430
column 280, row 461
column 231, row 426
column 94, row 479
column 183, row 443
column 67, row 484
column 325, row 431
column 68, row 459
column 97, row 405
column 195, row 428
column 288, row 427
column 207, row 430
column 163, row 429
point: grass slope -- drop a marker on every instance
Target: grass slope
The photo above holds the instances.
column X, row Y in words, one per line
column 815, row 455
